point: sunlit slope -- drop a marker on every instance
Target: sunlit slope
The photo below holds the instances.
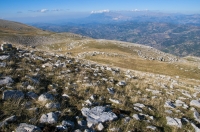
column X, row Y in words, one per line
column 19, row 33
column 127, row 55
column 115, row 53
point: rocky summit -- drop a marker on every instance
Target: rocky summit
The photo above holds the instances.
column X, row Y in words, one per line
column 92, row 85
column 41, row 90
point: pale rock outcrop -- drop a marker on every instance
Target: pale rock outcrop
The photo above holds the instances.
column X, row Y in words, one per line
column 23, row 127
column 195, row 103
column 12, row 94
column 174, row 122
column 45, row 97
column 50, row 118
column 6, row 80
column 98, row 114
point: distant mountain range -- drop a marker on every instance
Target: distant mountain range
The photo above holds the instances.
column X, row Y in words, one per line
column 177, row 34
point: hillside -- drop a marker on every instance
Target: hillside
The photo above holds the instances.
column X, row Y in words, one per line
column 19, row 33
column 82, row 84
column 172, row 33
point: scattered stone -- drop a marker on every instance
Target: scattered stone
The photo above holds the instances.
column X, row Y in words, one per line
column 179, row 103
column 6, row 80
column 49, row 118
column 12, row 94
column 196, row 116
column 151, row 127
column 6, row 47
column 32, row 95
column 8, row 120
column 153, row 91
column 115, row 101
column 100, row 127
column 88, row 102
column 61, row 128
column 82, row 123
column 4, row 57
column 139, row 105
column 187, row 94
column 93, row 97
column 111, row 90
column 65, row 95
column 139, row 116
column 45, row 97
column 195, row 103
column 174, row 122
column 2, row 64
column 98, row 114
column 168, row 111
column 29, row 87
column 52, row 105
column 68, row 123
column 137, row 109
column 195, row 127
column 169, row 104
column 122, row 83
column 23, row 127
column 114, row 129
column 127, row 119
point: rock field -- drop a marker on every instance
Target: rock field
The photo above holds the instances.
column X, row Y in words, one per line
column 43, row 91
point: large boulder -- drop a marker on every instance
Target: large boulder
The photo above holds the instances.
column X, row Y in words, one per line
column 98, row 114
column 12, row 94
column 23, row 127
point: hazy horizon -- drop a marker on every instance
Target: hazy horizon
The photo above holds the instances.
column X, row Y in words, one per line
column 50, row 10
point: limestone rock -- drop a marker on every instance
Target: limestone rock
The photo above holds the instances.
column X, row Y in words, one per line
column 196, row 116
column 122, row 83
column 115, row 101
column 29, row 87
column 4, row 57
column 52, row 105
column 195, row 103
column 68, row 123
column 100, row 127
column 195, row 127
column 98, row 114
column 6, row 80
column 32, row 95
column 12, row 94
column 23, row 127
column 11, row 119
column 111, row 90
column 169, row 104
column 151, row 127
column 45, row 97
column 139, row 105
column 49, row 118
column 138, row 116
column 2, row 64
column 174, row 122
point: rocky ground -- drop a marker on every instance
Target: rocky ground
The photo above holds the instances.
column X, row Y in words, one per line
column 43, row 91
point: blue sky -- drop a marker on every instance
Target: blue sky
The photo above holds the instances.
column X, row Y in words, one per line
column 24, row 9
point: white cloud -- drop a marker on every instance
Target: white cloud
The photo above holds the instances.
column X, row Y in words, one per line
column 43, row 10
column 100, row 11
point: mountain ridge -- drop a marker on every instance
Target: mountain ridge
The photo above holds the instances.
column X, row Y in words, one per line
column 75, row 83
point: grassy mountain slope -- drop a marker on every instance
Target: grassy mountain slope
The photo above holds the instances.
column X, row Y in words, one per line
column 141, row 85
column 177, row 39
column 18, row 33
